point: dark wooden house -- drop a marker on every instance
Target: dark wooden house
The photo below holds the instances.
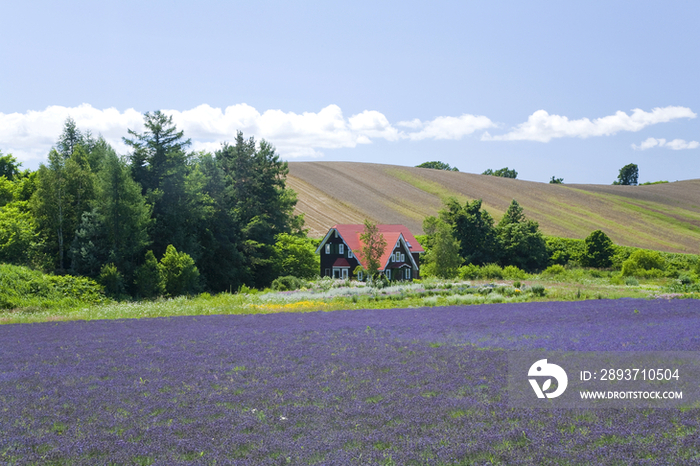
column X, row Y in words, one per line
column 340, row 247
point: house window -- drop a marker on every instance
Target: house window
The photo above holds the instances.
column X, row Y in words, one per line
column 350, row 255
column 328, row 248
column 388, row 274
column 393, row 257
column 408, row 274
column 360, row 275
column 403, row 257
column 341, row 249
column 328, row 273
column 344, row 273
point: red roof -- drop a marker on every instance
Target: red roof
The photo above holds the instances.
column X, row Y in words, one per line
column 351, row 235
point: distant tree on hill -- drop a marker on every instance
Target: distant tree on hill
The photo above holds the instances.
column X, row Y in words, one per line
column 503, row 173
column 629, row 174
column 556, row 180
column 438, row 166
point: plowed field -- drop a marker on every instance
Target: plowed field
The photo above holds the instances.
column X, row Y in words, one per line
column 665, row 217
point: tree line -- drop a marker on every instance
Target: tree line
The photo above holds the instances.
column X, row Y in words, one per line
column 160, row 220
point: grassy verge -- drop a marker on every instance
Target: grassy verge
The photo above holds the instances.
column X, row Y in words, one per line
column 332, row 295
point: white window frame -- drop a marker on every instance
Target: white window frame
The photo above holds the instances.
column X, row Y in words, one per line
column 344, row 274
column 403, row 257
column 328, row 248
column 407, row 276
column 387, row 274
column 350, row 255
column 341, row 249
column 359, row 275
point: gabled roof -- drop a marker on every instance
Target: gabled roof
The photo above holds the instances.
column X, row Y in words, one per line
column 393, row 234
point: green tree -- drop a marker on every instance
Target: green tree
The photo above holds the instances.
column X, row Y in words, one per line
column 556, row 180
column 438, row 166
column 296, row 256
column 170, row 183
column 521, row 243
column 9, row 166
column 262, row 206
column 51, row 204
column 116, row 230
column 179, row 272
column 442, row 259
column 373, row 245
column 503, row 173
column 473, row 228
column 112, row 280
column 148, row 278
column 158, row 153
column 628, row 175
column 599, row 250
column 19, row 239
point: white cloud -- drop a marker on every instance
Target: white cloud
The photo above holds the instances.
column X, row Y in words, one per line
column 676, row 144
column 543, row 127
column 29, row 136
column 446, row 127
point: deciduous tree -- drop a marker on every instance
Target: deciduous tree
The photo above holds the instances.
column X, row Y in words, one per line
column 373, row 245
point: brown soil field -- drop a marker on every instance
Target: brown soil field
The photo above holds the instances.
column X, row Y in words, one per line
column 665, row 217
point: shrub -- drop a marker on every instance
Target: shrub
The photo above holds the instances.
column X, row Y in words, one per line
column 631, row 281
column 512, row 272
column 685, row 279
column 491, row 271
column 554, row 271
column 468, row 272
column 21, row 287
column 644, row 263
column 179, row 273
column 112, row 280
column 537, row 290
column 149, row 280
column 288, row 283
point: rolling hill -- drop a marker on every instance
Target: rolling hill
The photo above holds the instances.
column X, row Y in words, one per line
column 665, row 216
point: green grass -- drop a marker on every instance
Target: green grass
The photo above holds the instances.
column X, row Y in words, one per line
column 572, row 285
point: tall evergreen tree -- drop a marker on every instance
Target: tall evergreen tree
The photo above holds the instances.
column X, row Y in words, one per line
column 161, row 166
column 261, row 205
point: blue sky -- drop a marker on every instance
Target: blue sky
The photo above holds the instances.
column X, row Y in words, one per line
column 547, row 88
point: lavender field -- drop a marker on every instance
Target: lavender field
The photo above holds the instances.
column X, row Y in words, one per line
column 390, row 386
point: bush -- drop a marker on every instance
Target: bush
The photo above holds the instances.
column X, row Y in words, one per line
column 112, row 280
column 511, row 272
column 554, row 271
column 179, row 273
column 644, row 263
column 21, row 287
column 491, row 271
column 149, row 280
column 288, row 283
column 468, row 272
column 565, row 251
column 537, row 290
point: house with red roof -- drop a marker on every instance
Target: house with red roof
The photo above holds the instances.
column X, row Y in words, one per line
column 341, row 246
